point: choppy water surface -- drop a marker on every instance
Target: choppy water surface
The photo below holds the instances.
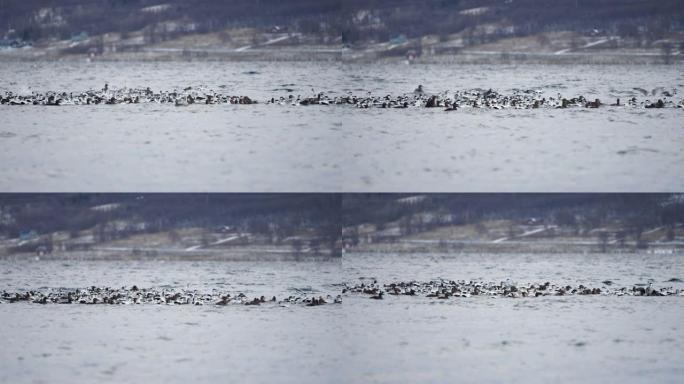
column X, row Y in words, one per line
column 316, row 148
column 535, row 340
column 161, row 344
column 398, row 339
column 522, row 269
column 249, row 277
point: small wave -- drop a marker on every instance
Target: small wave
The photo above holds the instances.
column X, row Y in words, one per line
column 634, row 150
column 7, row 135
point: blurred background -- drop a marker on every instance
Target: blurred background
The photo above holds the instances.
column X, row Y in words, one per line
column 501, row 30
column 170, row 226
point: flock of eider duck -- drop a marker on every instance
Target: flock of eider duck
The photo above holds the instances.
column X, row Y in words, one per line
column 445, row 289
column 135, row 295
column 448, row 101
column 436, row 289
column 109, row 96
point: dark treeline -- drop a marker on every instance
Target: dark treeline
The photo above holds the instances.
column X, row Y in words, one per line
column 46, row 213
column 352, row 21
column 256, row 213
column 588, row 210
column 319, row 219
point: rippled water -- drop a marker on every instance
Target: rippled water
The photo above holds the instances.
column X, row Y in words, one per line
column 282, row 148
column 588, row 269
column 252, row 278
column 399, row 339
column 572, row 339
column 162, row 344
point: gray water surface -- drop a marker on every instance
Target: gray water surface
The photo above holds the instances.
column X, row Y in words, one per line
column 605, row 339
column 172, row 344
column 398, row 339
column 244, row 148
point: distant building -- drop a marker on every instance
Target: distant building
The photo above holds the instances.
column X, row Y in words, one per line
column 398, row 40
column 388, row 234
column 13, row 43
column 410, row 200
column 42, row 250
column 447, row 48
column 106, row 207
column 159, row 8
column 6, row 217
column 28, row 235
column 83, row 244
column 479, row 11
column 83, row 36
column 225, row 229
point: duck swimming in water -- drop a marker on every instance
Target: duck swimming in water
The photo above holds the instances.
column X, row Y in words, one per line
column 658, row 104
column 377, row 296
column 594, row 104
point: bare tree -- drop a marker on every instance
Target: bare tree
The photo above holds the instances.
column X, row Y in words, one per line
column 297, row 246
column 174, row 236
column 670, row 234
column 205, row 240
column 406, row 225
column 603, row 241
column 315, row 246
column 481, row 229
column 666, row 51
column 354, row 236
